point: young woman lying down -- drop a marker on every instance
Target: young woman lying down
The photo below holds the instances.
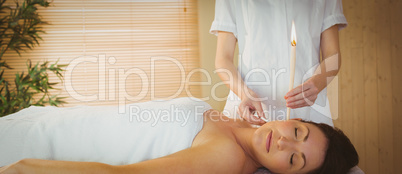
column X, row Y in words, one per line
column 177, row 136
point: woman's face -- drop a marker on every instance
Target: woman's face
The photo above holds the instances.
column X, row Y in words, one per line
column 290, row 146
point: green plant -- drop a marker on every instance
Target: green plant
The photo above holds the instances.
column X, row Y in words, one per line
column 19, row 30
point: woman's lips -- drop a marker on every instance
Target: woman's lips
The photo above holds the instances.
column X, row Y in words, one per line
column 268, row 143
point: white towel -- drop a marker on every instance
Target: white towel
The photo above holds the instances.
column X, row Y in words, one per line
column 99, row 133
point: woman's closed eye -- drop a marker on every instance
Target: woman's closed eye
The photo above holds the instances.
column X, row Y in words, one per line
column 291, row 159
column 301, row 134
column 298, row 134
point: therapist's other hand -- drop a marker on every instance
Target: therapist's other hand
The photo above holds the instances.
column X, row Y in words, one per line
column 250, row 105
column 303, row 95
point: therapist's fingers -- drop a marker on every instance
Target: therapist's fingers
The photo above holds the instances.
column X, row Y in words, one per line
column 294, row 91
column 307, row 93
column 259, row 110
column 304, row 101
column 297, row 104
column 257, row 113
column 301, row 92
column 296, row 97
column 249, row 116
column 247, row 113
column 243, row 111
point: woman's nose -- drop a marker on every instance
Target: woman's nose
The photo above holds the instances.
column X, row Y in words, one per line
column 284, row 143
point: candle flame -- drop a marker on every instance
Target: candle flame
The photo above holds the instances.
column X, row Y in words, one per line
column 294, row 39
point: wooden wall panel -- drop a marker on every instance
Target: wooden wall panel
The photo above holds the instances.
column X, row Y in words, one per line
column 396, row 68
column 384, row 82
column 346, row 78
column 370, row 84
column 371, row 81
column 359, row 128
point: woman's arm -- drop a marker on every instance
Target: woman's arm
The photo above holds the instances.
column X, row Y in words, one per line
column 306, row 93
column 208, row 158
column 227, row 71
column 203, row 159
column 34, row 166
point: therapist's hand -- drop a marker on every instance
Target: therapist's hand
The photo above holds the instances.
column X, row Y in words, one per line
column 303, row 95
column 248, row 106
column 306, row 94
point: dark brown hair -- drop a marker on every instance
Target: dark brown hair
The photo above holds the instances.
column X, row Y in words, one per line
column 340, row 156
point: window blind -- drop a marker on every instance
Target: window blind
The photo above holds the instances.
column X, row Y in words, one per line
column 131, row 50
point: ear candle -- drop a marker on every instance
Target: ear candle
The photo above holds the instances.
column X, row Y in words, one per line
column 292, row 63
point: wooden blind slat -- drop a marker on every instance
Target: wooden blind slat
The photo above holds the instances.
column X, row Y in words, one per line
column 130, row 31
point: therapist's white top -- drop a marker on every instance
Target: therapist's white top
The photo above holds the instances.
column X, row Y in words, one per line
column 263, row 31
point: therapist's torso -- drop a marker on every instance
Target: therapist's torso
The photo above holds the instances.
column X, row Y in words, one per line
column 263, row 30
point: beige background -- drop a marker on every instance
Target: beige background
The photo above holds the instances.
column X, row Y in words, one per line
column 206, row 13
column 369, row 93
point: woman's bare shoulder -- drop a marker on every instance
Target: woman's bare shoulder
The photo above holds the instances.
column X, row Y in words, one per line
column 211, row 157
column 214, row 150
column 224, row 152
